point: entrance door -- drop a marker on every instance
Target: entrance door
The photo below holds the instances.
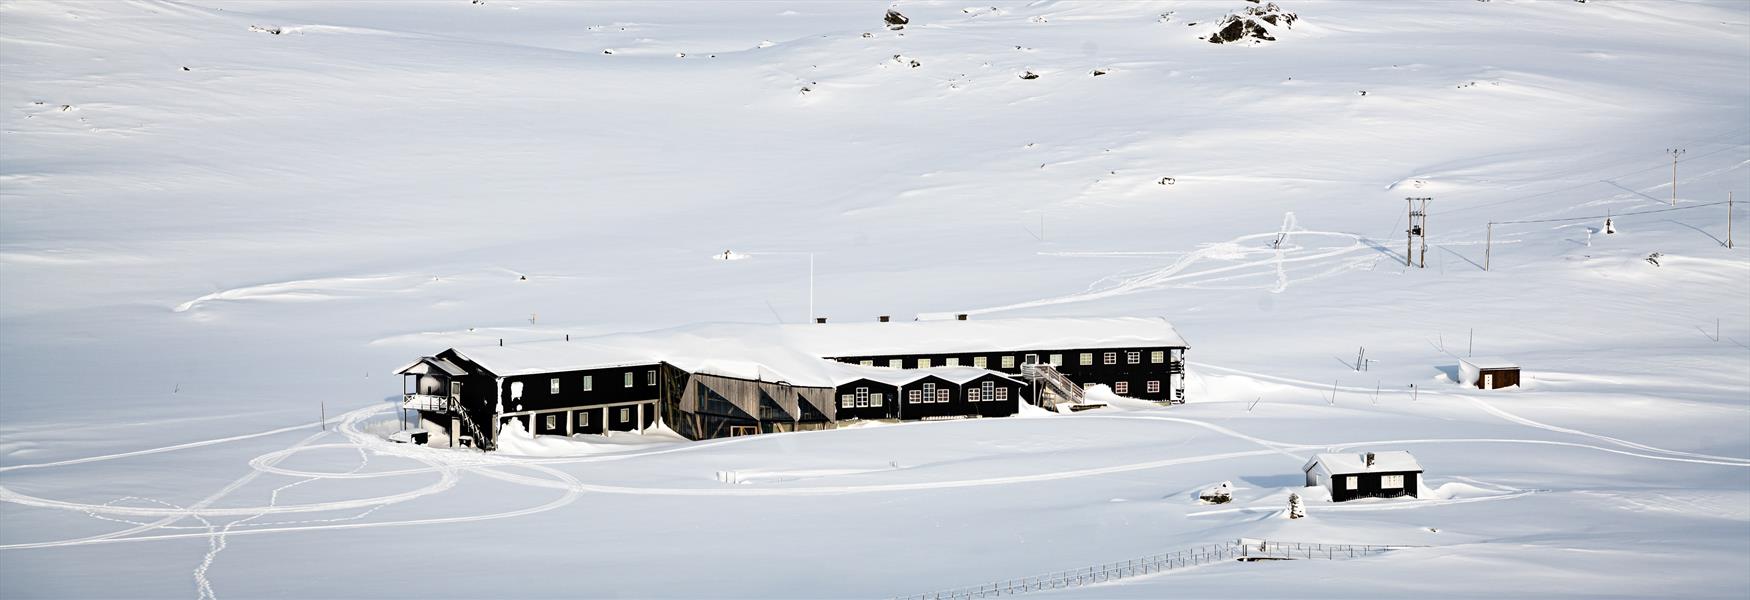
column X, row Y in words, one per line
column 1488, row 381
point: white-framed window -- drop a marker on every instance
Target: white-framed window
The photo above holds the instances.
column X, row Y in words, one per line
column 650, row 377
column 625, row 413
column 942, row 395
column 847, row 401
column 1087, row 386
column 866, row 362
column 1391, row 482
column 972, row 395
column 862, row 397
column 1002, row 394
column 552, row 421
column 895, row 363
column 1110, row 358
column 1008, row 362
column 1133, row 357
column 875, row 400
column 990, row 390
column 1157, row 357
column 588, row 382
column 1122, row 387
column 1056, row 360
column 980, row 362
column 516, row 390
column 914, row 397
column 952, row 361
column 628, row 379
column 1154, row 387
column 553, row 385
column 583, row 418
column 1030, row 359
column 923, row 363
column 1348, row 481
column 1086, row 359
column 929, row 392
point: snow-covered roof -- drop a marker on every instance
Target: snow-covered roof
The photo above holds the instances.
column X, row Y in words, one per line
column 1393, row 461
column 845, row 373
column 1490, row 362
column 448, row 368
column 792, row 353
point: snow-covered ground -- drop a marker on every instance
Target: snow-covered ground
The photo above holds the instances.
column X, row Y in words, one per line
column 211, row 233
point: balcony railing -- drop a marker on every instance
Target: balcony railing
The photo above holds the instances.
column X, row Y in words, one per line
column 425, row 402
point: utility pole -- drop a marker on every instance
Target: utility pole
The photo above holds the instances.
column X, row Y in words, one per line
column 1489, row 246
column 1675, row 153
column 1418, row 229
column 1728, row 219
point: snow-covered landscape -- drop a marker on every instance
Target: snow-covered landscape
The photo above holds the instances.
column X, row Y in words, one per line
column 224, row 225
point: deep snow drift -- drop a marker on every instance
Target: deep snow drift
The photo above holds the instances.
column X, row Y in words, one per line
column 211, row 233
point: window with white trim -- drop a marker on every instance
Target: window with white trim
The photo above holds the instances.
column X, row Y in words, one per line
column 1133, row 357
column 1087, row 386
column 583, row 418
column 1154, row 387
column 1002, row 394
column 989, row 389
column 1086, row 359
column 847, row 401
column 952, row 361
column 862, row 397
column 552, row 422
column 875, row 400
column 895, row 363
column 929, row 392
column 1391, row 482
column 588, row 382
column 553, row 385
column 1056, row 360
column 923, row 363
column 942, row 395
column 1348, row 481
column 973, row 395
column 1157, row 357
column 516, row 390
column 628, row 379
column 914, row 396
column 1110, row 358
column 650, row 377
column 980, row 362
column 866, row 363
column 1122, row 387
column 1008, row 362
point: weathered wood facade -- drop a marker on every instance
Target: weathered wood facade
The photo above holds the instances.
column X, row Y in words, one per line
column 1146, row 372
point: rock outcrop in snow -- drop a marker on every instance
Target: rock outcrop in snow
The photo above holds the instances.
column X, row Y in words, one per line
column 1253, row 24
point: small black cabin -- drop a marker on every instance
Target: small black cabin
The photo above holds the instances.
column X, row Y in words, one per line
column 1365, row 475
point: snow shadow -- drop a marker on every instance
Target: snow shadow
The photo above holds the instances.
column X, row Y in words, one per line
column 1451, row 371
column 1294, row 480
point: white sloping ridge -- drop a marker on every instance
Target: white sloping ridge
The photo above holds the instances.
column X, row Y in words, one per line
column 1470, row 369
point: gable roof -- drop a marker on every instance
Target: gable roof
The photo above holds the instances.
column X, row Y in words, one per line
column 1489, row 362
column 444, row 366
column 793, row 353
column 1392, row 461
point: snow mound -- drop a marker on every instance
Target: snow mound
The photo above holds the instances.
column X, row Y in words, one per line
column 515, row 440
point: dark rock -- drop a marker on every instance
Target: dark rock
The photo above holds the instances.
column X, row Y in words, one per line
column 895, row 20
column 1029, row 75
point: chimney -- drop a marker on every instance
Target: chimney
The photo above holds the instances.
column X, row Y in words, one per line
column 884, row 318
column 820, row 319
column 960, row 317
column 1369, row 460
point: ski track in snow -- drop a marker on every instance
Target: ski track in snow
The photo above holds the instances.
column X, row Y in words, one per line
column 448, row 464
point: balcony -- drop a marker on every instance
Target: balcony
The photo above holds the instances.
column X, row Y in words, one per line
column 425, row 402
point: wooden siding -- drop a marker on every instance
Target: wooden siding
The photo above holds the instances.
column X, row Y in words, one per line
column 1503, row 377
column 1169, row 372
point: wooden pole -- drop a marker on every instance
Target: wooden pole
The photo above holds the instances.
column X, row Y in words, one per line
column 1410, row 234
column 1728, row 219
column 1489, row 246
column 324, row 420
column 1471, row 345
column 1424, row 236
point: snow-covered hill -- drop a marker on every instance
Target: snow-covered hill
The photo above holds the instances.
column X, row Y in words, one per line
column 218, row 220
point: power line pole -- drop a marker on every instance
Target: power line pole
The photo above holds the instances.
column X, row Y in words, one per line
column 1675, row 153
column 1418, row 229
column 1728, row 219
column 1489, row 246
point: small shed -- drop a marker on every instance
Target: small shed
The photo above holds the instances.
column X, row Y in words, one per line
column 1365, row 475
column 1488, row 372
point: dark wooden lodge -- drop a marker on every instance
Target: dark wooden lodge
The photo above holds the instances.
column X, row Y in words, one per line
column 726, row 380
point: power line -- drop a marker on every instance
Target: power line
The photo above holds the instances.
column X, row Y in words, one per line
column 1644, row 212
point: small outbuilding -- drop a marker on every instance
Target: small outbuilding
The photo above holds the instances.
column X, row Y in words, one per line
column 1488, row 373
column 1365, row 475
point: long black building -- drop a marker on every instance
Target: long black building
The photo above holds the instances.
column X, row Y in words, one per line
column 730, row 379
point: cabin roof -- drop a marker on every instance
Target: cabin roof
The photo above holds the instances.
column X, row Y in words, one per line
column 1393, row 461
column 844, row 373
column 792, row 353
column 447, row 367
column 1490, row 362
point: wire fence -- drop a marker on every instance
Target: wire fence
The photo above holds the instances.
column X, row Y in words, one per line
column 1239, row 550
